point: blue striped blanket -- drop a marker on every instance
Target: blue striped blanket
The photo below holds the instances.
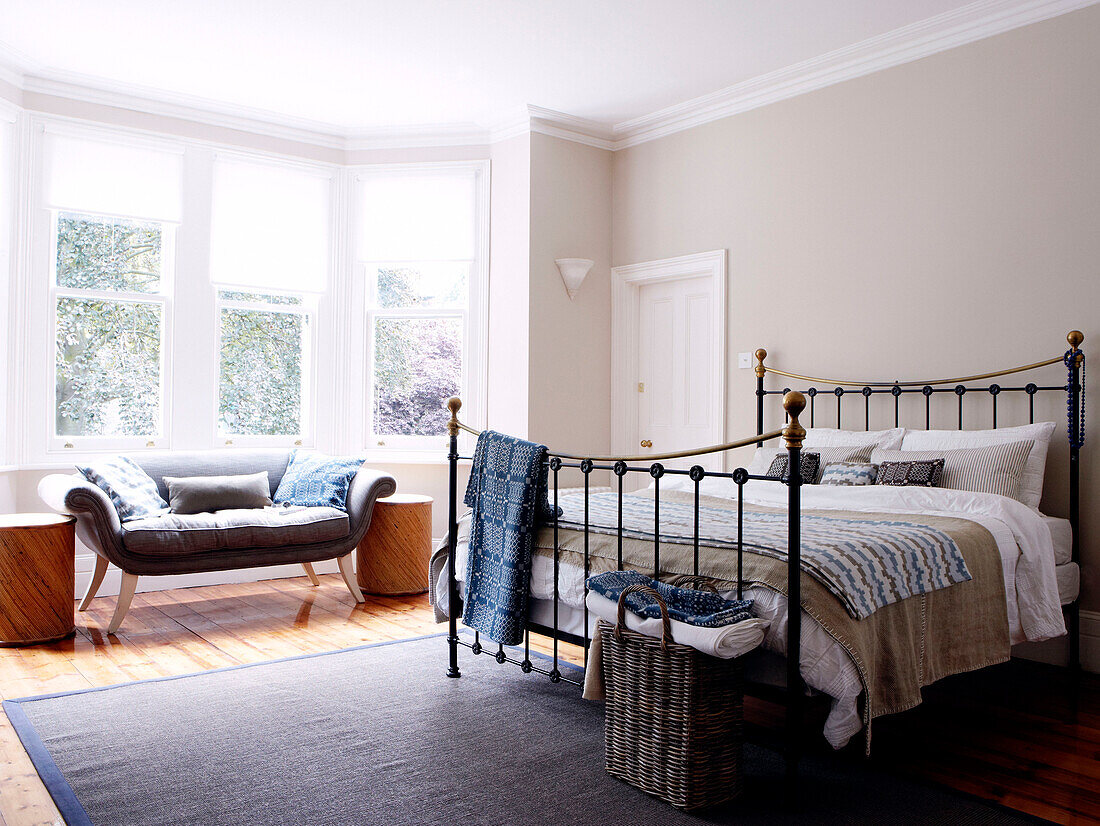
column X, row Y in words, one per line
column 865, row 563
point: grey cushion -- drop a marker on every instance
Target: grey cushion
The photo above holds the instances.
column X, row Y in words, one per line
column 159, row 464
column 202, row 494
column 177, row 534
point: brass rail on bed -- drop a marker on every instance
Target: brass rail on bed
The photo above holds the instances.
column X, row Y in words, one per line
column 454, row 404
column 1074, row 337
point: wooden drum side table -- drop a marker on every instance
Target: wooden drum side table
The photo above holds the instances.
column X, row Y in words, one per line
column 37, row 588
column 392, row 559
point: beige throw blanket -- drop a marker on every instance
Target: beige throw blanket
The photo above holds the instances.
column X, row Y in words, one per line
column 898, row 649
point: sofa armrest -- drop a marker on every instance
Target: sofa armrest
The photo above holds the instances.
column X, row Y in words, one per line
column 98, row 524
column 367, row 486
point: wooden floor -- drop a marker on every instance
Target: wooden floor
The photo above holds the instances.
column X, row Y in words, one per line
column 1019, row 735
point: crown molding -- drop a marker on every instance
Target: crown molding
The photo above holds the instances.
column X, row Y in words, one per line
column 967, row 24
column 941, row 32
column 184, row 107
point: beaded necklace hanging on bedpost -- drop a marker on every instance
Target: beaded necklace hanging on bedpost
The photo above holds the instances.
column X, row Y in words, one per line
column 1068, row 360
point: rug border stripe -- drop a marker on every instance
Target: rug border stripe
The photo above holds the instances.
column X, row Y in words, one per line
column 62, row 793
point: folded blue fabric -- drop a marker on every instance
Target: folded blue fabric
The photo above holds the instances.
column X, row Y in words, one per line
column 314, row 480
column 507, row 492
column 702, row 608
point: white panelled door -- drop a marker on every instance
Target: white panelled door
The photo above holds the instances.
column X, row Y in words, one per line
column 677, row 365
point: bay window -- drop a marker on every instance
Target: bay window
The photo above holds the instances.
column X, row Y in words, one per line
column 422, row 250
column 113, row 210
column 270, row 260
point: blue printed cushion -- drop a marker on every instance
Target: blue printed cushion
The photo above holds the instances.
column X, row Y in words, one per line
column 849, row 474
column 132, row 491
column 315, row 480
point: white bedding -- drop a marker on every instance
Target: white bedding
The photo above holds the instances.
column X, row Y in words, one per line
column 1023, row 538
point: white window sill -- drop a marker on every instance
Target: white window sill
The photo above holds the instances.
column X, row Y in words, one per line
column 376, row 456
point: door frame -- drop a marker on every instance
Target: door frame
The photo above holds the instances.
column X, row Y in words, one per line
column 626, row 282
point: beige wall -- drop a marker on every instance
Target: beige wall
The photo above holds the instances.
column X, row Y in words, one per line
column 570, row 340
column 933, row 219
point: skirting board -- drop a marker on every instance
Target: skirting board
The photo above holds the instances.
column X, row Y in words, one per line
column 85, row 563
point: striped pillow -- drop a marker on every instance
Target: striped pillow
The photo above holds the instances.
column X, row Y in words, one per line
column 994, row 469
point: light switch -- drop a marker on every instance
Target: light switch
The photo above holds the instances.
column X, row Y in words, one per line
column 744, row 360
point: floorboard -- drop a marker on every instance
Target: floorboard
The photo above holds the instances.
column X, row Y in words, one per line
column 1025, row 736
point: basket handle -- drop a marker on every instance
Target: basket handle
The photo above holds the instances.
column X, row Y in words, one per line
column 639, row 588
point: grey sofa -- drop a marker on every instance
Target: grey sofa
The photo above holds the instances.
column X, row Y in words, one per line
column 219, row 541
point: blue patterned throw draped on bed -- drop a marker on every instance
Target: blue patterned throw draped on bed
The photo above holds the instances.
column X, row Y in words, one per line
column 704, row 609
column 507, row 492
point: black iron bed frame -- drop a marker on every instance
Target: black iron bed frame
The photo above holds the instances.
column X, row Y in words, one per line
column 794, row 404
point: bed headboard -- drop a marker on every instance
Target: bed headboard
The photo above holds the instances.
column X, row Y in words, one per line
column 1072, row 360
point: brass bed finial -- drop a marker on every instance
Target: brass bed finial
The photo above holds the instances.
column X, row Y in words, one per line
column 454, row 404
column 794, row 403
column 761, row 354
column 1075, row 337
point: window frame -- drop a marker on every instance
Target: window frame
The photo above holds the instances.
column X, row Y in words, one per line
column 475, row 317
column 308, row 308
column 163, row 298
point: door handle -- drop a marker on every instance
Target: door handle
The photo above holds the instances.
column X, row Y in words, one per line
column 647, row 443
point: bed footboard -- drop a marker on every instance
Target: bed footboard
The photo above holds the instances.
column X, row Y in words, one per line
column 651, row 466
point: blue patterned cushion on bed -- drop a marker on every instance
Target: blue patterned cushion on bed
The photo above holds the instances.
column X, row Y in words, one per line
column 705, row 609
column 315, row 480
column 809, row 461
column 849, row 474
column 132, row 491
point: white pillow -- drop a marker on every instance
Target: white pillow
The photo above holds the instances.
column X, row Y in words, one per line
column 830, row 437
column 762, row 460
column 1031, row 483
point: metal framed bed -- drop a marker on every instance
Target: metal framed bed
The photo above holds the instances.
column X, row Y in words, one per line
column 798, row 404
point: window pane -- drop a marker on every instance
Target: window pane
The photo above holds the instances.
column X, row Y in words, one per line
column 108, row 254
column 260, row 392
column 417, row 364
column 260, row 298
column 423, row 285
column 108, row 368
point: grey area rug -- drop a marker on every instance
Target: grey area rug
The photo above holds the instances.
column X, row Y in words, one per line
column 378, row 735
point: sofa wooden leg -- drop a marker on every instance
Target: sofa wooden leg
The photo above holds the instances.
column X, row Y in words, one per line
column 347, row 571
column 312, row 574
column 94, row 583
column 125, row 597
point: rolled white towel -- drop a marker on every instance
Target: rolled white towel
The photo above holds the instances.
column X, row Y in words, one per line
column 727, row 642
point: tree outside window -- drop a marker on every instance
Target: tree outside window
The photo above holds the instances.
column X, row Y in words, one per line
column 109, row 316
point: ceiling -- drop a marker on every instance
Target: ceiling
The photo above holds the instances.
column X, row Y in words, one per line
column 353, row 65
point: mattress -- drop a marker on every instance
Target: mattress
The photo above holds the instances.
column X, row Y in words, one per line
column 1061, row 535
column 1069, row 582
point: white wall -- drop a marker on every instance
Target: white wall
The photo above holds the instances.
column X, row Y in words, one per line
column 509, row 286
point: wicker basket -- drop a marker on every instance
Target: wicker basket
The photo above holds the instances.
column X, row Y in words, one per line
column 673, row 714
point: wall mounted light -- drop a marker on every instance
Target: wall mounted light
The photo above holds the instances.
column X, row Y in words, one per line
column 573, row 272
